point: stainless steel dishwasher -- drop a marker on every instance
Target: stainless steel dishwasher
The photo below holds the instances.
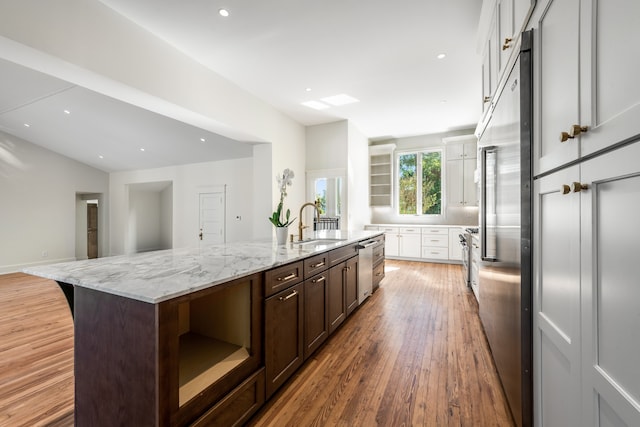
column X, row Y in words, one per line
column 365, row 269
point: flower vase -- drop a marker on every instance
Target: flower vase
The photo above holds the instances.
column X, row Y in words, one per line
column 281, row 235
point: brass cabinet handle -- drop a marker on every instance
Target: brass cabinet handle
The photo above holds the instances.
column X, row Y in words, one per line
column 486, row 99
column 289, row 277
column 575, row 187
column 574, row 131
column 318, row 280
column 320, row 264
column 291, row 295
column 507, row 43
column 578, row 187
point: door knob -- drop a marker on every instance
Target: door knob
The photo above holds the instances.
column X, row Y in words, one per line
column 565, row 189
column 486, row 99
column 200, row 235
column 507, row 43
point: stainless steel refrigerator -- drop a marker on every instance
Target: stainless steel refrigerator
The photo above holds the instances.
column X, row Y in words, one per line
column 505, row 296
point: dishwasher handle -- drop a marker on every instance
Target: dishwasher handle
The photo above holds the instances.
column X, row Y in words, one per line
column 366, row 245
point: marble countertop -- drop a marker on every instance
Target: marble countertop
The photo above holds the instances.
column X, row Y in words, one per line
column 161, row 275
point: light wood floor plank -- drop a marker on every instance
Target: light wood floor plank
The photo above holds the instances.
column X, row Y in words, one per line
column 414, row 354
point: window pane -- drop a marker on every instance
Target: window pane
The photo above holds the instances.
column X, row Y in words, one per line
column 431, row 183
column 407, row 184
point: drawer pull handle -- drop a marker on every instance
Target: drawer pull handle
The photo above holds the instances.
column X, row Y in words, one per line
column 291, row 295
column 289, row 277
column 318, row 280
column 320, row 264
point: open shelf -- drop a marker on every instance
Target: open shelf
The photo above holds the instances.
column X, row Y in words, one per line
column 203, row 361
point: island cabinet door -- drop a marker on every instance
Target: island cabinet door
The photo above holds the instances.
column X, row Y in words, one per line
column 351, row 284
column 316, row 314
column 337, row 305
column 283, row 339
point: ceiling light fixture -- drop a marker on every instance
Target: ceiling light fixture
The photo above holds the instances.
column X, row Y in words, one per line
column 142, row 149
column 441, row 55
column 316, row 105
column 308, row 89
column 341, row 99
column 202, row 140
column 101, row 156
column 67, row 112
column 223, row 12
column 27, row 125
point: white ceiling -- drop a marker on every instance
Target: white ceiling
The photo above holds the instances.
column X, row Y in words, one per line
column 380, row 52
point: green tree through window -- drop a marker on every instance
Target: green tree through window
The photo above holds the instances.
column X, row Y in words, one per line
column 420, row 183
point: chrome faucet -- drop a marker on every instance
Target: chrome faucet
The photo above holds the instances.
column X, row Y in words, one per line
column 302, row 226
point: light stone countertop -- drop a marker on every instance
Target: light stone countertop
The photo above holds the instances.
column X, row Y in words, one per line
column 161, row 275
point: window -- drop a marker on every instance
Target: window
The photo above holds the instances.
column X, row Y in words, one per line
column 420, row 183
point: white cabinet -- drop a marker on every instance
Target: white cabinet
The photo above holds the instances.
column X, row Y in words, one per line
column 461, row 164
column 409, row 246
column 586, row 311
column 455, row 250
column 435, row 243
column 585, row 98
column 391, row 241
column 381, row 175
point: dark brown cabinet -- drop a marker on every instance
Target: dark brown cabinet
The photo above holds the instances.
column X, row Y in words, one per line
column 351, row 285
column 343, row 291
column 316, row 314
column 283, row 336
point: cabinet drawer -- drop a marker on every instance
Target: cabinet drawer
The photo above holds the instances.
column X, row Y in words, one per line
column 282, row 277
column 378, row 275
column 389, row 230
column 409, row 230
column 430, row 231
column 435, row 253
column 435, row 240
column 316, row 264
column 378, row 254
column 371, row 227
column 237, row 407
column 336, row 256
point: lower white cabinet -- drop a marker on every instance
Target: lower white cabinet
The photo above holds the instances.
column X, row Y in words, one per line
column 586, row 293
column 435, row 243
column 455, row 250
column 391, row 241
column 409, row 244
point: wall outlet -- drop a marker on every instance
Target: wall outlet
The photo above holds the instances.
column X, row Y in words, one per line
column 45, row 254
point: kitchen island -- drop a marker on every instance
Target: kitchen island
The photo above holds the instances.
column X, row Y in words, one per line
column 197, row 336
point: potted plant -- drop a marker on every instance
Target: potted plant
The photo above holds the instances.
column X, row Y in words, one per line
column 282, row 224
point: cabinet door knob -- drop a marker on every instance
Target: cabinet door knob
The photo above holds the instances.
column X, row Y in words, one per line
column 574, row 131
column 486, row 99
column 578, row 187
column 565, row 189
column 507, row 43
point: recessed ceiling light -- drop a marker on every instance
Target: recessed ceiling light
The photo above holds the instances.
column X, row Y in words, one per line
column 142, row 149
column 202, row 140
column 308, row 89
column 442, row 56
column 341, row 99
column 316, row 105
column 67, row 112
column 27, row 125
column 223, row 12
column 101, row 156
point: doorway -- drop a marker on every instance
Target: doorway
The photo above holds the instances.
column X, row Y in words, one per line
column 92, row 229
column 212, row 217
column 90, row 226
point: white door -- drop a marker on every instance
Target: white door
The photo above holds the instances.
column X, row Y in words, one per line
column 556, row 320
column 212, row 218
column 610, row 289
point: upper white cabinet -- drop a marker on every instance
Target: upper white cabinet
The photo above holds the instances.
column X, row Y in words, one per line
column 461, row 164
column 584, row 74
column 500, row 26
column 381, row 175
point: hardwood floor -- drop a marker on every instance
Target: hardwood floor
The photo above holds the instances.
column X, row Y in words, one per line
column 36, row 353
column 413, row 354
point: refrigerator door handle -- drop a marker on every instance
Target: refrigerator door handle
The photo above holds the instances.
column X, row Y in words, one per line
column 488, row 203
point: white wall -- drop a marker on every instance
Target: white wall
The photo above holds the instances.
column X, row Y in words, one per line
column 188, row 181
column 358, row 179
column 38, row 204
column 86, row 43
column 327, row 146
column 166, row 218
column 457, row 216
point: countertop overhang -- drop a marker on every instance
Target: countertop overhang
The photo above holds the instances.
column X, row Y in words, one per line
column 162, row 275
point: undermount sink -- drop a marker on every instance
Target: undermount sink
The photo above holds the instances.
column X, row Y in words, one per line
column 318, row 242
